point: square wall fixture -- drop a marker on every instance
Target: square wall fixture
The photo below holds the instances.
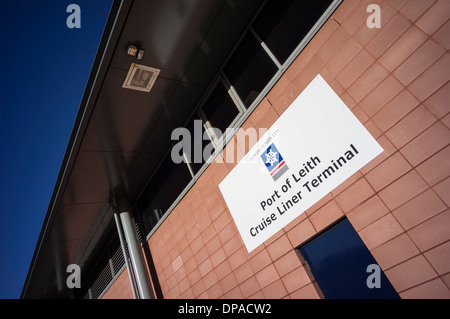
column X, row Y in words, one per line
column 140, row 77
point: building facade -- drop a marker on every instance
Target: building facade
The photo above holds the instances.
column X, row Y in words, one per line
column 394, row 78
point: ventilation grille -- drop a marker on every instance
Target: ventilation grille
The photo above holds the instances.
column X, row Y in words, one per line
column 109, row 267
column 140, row 78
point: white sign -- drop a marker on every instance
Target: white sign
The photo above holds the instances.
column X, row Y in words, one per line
column 315, row 145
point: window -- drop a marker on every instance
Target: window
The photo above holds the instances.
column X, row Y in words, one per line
column 220, row 110
column 250, row 69
column 283, row 24
column 200, row 141
column 164, row 188
column 339, row 262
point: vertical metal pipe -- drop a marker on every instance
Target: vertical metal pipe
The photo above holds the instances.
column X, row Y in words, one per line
column 125, row 256
column 137, row 261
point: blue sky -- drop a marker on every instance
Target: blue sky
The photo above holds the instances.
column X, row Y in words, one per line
column 44, row 67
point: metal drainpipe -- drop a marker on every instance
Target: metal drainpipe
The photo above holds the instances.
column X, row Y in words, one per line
column 125, row 255
column 137, row 262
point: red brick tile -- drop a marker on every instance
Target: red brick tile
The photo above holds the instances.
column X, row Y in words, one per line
column 223, row 270
column 308, row 73
column 418, row 209
column 414, row 9
column 228, row 232
column 267, row 276
column 380, row 231
column 243, row 272
column 436, row 168
column 442, row 190
column 362, row 61
column 296, row 279
column 348, row 100
column 373, row 129
column 213, row 201
column 334, row 43
column 307, row 292
column 198, row 288
column 402, row 190
column 197, row 244
column 446, row 121
column 295, row 222
column 381, row 95
column 249, row 287
column 260, row 112
column 205, row 267
column 368, row 81
column 219, row 170
column 218, row 257
column 446, row 279
column 326, row 215
column 397, row 4
column 418, row 62
column 432, row 79
column 222, row 220
column 344, row 9
column 234, row 293
column 260, row 260
column 210, row 279
column 228, row 283
column 441, row 36
column 286, row 98
column 194, row 276
column 344, row 56
column 360, row 114
column 281, row 85
column 388, row 34
column 432, row 232
column 317, row 205
column 367, row 213
column 287, row 263
column 276, row 290
column 395, row 110
column 208, row 233
column 388, row 171
column 238, row 258
column 438, row 102
column 214, row 292
column 306, row 55
column 357, row 17
column 395, row 251
column 280, row 247
column 434, row 289
column 403, row 48
column 438, row 257
column 339, row 189
column 364, row 35
column 300, row 233
column 410, row 273
column 190, row 265
column 410, row 126
column 388, row 148
column 426, row 144
column 354, row 195
column 435, row 17
column 274, row 238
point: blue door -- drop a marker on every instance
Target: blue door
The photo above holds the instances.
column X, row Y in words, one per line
column 343, row 266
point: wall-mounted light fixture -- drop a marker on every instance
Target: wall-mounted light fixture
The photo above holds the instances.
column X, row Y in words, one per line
column 135, row 51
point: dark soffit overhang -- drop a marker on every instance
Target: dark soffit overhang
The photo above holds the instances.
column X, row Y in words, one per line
column 120, row 135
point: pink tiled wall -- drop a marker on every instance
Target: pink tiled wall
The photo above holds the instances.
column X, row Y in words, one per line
column 395, row 80
column 120, row 289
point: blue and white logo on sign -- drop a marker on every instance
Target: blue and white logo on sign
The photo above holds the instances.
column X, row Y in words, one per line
column 274, row 162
